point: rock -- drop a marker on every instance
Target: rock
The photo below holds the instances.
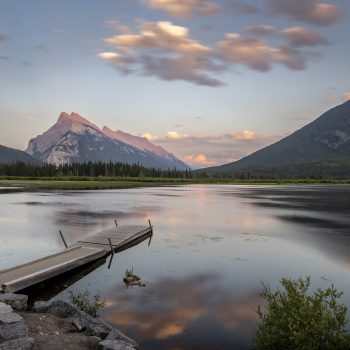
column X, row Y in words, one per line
column 26, row 343
column 56, row 333
column 13, row 331
column 41, row 306
column 5, row 309
column 10, row 317
column 17, row 301
column 114, row 345
column 95, row 339
column 78, row 325
column 57, row 307
column 93, row 326
column 116, row 334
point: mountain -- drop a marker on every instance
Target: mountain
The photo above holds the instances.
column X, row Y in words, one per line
column 75, row 139
column 12, row 155
column 325, row 142
column 143, row 144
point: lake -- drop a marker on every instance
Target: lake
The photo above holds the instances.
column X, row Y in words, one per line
column 212, row 247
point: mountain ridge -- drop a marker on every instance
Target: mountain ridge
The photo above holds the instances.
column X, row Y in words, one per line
column 13, row 155
column 74, row 138
column 327, row 138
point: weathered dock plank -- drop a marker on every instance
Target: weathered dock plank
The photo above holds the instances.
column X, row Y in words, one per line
column 22, row 276
column 81, row 253
column 119, row 236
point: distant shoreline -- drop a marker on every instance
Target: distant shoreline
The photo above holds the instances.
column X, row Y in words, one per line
column 25, row 184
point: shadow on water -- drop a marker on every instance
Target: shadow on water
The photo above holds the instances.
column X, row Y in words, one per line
column 50, row 288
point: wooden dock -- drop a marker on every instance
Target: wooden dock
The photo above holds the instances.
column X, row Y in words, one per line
column 81, row 253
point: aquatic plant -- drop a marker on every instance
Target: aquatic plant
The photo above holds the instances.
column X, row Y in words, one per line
column 130, row 279
column 296, row 319
column 82, row 301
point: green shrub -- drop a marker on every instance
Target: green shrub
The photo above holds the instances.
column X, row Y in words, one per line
column 295, row 319
column 82, row 301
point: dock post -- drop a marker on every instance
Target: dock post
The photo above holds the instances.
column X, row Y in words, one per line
column 110, row 261
column 149, row 221
column 110, row 243
column 64, row 241
column 116, row 224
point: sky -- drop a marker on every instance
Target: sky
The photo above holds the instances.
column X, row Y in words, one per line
column 209, row 80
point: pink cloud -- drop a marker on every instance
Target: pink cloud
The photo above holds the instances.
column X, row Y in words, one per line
column 346, row 96
column 184, row 8
column 299, row 36
column 309, row 11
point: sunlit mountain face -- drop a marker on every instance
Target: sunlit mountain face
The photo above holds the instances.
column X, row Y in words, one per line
column 75, row 139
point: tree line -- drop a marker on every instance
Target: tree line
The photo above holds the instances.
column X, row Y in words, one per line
column 316, row 171
column 90, row 169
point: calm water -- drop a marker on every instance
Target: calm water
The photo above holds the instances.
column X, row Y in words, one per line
column 212, row 247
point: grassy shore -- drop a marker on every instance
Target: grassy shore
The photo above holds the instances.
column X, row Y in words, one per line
column 93, row 183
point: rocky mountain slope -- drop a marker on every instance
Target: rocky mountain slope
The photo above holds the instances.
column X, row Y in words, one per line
column 75, row 139
column 326, row 140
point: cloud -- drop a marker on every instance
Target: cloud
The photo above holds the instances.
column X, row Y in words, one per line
column 262, row 29
column 175, row 135
column 181, row 68
column 214, row 149
column 3, row 38
column 199, row 160
column 109, row 55
column 167, row 51
column 243, row 8
column 244, row 135
column 149, row 136
column 299, row 36
column 164, row 50
column 293, row 58
column 158, row 35
column 309, row 11
column 258, row 55
column 346, row 96
column 184, row 8
column 253, row 53
column 121, row 28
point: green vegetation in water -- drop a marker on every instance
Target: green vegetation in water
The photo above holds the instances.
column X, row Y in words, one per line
column 82, row 301
column 130, row 279
column 295, row 319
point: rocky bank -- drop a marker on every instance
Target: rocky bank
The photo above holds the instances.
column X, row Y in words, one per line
column 54, row 325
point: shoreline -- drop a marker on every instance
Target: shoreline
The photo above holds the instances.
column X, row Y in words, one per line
column 18, row 184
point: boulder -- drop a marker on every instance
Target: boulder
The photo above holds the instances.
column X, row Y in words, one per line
column 26, row 343
column 116, row 334
column 114, row 345
column 17, row 301
column 12, row 331
column 56, row 307
column 10, row 317
column 5, row 309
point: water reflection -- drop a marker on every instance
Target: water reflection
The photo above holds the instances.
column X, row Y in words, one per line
column 212, row 247
column 184, row 313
